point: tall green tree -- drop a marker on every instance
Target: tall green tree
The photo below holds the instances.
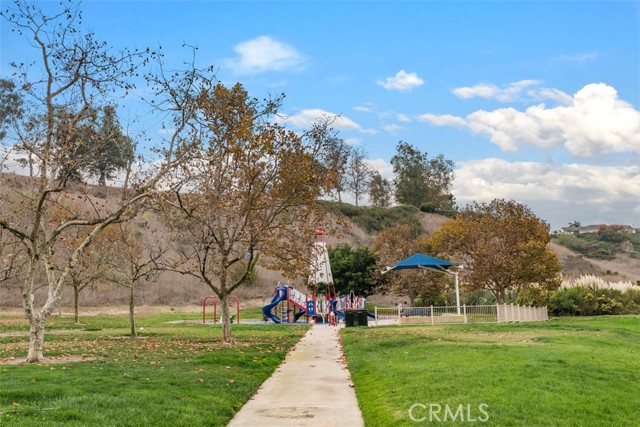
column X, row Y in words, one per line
column 503, row 247
column 75, row 138
column 94, row 146
column 113, row 150
column 10, row 105
column 380, row 191
column 419, row 179
column 353, row 269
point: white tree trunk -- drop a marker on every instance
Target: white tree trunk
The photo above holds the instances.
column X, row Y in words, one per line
column 36, row 341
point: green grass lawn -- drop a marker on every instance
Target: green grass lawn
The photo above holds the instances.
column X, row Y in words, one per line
column 565, row 372
column 176, row 374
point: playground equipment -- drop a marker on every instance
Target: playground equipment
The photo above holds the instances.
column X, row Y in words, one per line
column 326, row 306
column 289, row 301
column 293, row 299
column 214, row 299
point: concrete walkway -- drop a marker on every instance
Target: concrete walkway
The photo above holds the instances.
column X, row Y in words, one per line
column 312, row 387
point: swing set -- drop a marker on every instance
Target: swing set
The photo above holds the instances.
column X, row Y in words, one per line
column 214, row 300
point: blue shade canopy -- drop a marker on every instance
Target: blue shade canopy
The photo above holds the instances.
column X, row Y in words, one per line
column 422, row 261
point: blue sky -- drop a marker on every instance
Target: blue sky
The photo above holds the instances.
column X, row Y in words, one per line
column 534, row 101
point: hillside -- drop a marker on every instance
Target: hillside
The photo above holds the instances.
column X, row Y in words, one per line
column 621, row 268
column 362, row 226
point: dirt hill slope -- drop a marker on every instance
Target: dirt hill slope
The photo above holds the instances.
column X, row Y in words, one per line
column 621, row 268
column 173, row 289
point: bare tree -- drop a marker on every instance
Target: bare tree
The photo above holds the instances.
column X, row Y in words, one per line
column 132, row 259
column 76, row 71
column 358, row 174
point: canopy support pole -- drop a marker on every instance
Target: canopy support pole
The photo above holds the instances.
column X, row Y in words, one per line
column 455, row 273
column 457, row 293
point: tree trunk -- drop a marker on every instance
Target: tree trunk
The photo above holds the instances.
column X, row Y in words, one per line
column 132, row 320
column 36, row 341
column 30, row 164
column 76, row 303
column 226, row 321
column 102, row 181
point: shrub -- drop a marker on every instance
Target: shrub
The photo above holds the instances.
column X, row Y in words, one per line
column 567, row 302
column 532, row 296
column 583, row 301
column 612, row 233
column 428, row 207
column 601, row 301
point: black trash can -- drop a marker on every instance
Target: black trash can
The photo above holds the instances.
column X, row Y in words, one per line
column 349, row 318
column 362, row 318
column 355, row 318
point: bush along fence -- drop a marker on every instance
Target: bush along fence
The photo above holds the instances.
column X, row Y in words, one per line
column 498, row 313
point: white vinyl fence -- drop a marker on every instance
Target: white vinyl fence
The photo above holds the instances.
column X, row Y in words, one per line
column 497, row 313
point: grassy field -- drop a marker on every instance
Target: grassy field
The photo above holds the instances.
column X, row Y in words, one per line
column 176, row 374
column 568, row 372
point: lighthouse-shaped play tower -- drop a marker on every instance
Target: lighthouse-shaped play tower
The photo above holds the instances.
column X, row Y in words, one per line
column 321, row 302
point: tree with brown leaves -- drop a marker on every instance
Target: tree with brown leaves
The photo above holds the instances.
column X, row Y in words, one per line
column 133, row 256
column 503, row 247
column 76, row 74
column 252, row 196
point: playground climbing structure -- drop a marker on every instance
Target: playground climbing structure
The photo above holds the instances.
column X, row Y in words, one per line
column 322, row 302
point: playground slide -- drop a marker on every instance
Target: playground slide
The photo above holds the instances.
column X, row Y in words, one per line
column 299, row 315
column 280, row 296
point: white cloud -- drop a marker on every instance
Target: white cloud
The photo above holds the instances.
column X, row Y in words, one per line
column 381, row 166
column 508, row 93
column 403, row 118
column 595, row 122
column 370, row 131
column 305, row 118
column 556, row 193
column 365, row 109
column 402, row 81
column 577, row 58
column 553, row 94
column 264, row 54
column 443, row 119
column 11, row 161
column 392, row 128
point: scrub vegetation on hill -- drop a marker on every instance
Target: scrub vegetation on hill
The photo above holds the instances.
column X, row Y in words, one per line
column 374, row 219
column 605, row 244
